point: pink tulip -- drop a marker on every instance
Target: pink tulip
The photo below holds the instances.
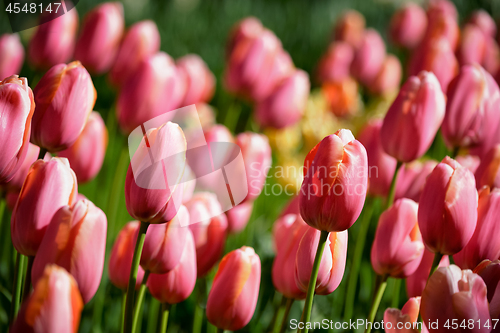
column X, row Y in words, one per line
column 472, row 47
column 335, row 182
column 176, row 285
column 120, row 260
column 380, row 165
column 416, row 282
column 248, row 28
column 100, row 37
column 16, row 103
column 48, row 186
column 408, row 24
column 455, row 295
column 484, row 21
column 55, row 305
column 469, row 161
column 235, row 290
column 93, row 140
column 209, row 230
column 369, row 57
column 489, row 271
column 350, row 28
column 79, row 249
column 11, row 55
column 238, row 217
column 411, row 179
column 287, row 232
column 64, row 99
column 200, row 80
column 442, row 7
column 488, row 172
column 442, row 22
column 293, row 206
column 413, row 119
column 149, row 93
column 404, row 320
column 388, row 79
column 149, row 202
column 16, row 183
column 491, row 59
column 332, row 266
column 447, row 212
column 334, row 65
column 54, row 41
column 286, row 104
column 141, row 41
column 483, row 244
column 164, row 244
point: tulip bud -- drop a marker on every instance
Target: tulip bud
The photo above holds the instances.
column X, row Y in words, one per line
column 416, row 282
column 380, row 165
column 334, row 65
column 470, row 162
column 388, row 78
column 55, row 305
column 209, row 228
column 75, row 240
column 54, row 41
column 148, row 202
column 411, row 179
column 64, row 99
column 369, row 57
column 247, row 28
column 47, row 187
column 235, row 290
column 472, row 47
column 413, row 119
column 491, row 59
column 11, row 55
column 342, row 97
column 238, row 216
column 287, row 233
column 16, row 103
column 286, row 104
column 397, row 248
column 350, row 28
column 94, row 139
column 332, row 266
column 408, row 25
column 404, row 320
column 335, row 175
column 483, row 243
column 141, row 41
column 447, row 212
column 122, row 253
column 457, row 296
column 489, row 271
column 164, row 244
column 485, row 22
column 16, row 183
column 488, row 172
column 176, row 285
column 100, row 37
column 442, row 23
column 200, row 80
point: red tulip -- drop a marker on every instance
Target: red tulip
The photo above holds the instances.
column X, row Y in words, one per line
column 335, row 182
column 457, row 296
column 408, row 24
column 141, row 41
column 238, row 217
column 470, row 162
column 388, row 78
column 447, row 212
column 404, row 320
column 286, row 104
column 54, row 306
column 209, row 228
column 120, row 260
column 247, row 28
column 416, row 282
column 64, row 99
column 100, row 37
column 334, row 65
column 235, row 289
column 368, row 57
column 489, row 271
column 200, row 80
column 472, row 47
column 342, row 97
column 48, row 186
column 412, row 121
column 411, row 179
column 332, row 266
column 16, row 103
column 483, row 244
column 488, row 172
column 11, row 55
column 164, row 244
column 350, row 28
column 155, row 199
column 176, row 285
column 381, row 166
column 75, row 240
column 54, row 41
column 484, row 21
column 94, row 138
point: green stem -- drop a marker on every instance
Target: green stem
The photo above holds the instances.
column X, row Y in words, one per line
column 41, row 153
column 455, row 152
column 395, row 294
column 198, row 310
column 358, row 255
column 129, row 304
column 165, row 310
column 2, row 207
column 278, row 309
column 435, row 263
column 16, row 287
column 288, row 307
column 392, row 190
column 140, row 298
column 376, row 302
column 306, row 313
column 124, row 300
column 27, row 279
column 220, row 330
column 154, row 307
